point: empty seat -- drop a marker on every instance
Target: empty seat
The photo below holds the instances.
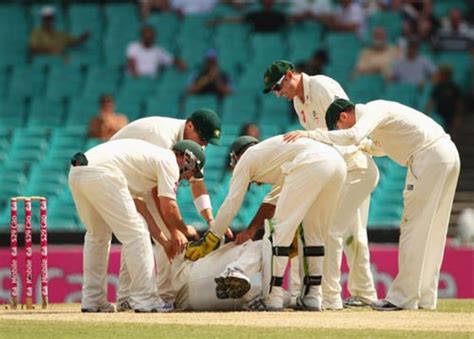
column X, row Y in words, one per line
column 46, row 113
column 26, row 81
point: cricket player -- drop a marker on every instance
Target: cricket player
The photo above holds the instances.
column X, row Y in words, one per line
column 104, row 182
column 307, row 179
column 202, row 127
column 413, row 140
column 311, row 97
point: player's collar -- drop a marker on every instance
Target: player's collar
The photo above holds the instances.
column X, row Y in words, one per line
column 359, row 111
column 181, row 131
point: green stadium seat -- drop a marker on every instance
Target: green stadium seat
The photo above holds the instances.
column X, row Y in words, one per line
column 81, row 111
column 193, row 102
column 63, row 81
column 138, row 88
column 45, row 113
column 12, row 112
column 100, row 80
column 459, row 61
column 165, row 106
column 274, row 111
column 270, row 130
column 26, row 81
column 239, row 108
column 175, row 80
column 401, row 92
column 390, row 20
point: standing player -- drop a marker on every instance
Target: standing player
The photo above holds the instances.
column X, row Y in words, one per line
column 311, row 97
column 414, row 140
column 307, row 179
column 202, row 127
column 104, row 182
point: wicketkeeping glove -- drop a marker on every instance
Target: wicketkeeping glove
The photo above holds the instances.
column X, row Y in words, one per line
column 200, row 248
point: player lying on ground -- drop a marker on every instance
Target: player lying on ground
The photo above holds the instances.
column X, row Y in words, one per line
column 104, row 182
column 307, row 178
column 413, row 140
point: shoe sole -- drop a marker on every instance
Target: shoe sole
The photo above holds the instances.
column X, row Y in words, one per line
column 382, row 309
column 88, row 310
column 231, row 287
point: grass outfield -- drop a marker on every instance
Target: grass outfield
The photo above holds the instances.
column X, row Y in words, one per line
column 454, row 318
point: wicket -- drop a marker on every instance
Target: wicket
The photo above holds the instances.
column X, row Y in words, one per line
column 28, row 250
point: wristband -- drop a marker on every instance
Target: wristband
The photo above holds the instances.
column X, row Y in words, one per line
column 202, row 202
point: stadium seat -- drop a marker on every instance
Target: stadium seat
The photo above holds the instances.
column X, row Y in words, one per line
column 274, row 111
column 401, row 92
column 20, row 88
column 12, row 112
column 193, row 102
column 81, row 111
column 46, row 113
column 165, row 106
column 239, row 108
column 100, row 80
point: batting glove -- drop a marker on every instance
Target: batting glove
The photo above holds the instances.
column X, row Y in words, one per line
column 202, row 247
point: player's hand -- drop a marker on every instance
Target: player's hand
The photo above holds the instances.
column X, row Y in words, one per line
column 178, row 242
column 293, row 136
column 244, row 236
column 168, row 247
column 191, row 232
column 229, row 234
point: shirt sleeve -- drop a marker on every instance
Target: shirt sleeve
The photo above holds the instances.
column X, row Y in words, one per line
column 165, row 57
column 352, row 136
column 131, row 50
column 272, row 196
column 237, row 190
column 168, row 178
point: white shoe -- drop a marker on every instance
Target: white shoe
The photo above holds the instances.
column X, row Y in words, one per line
column 124, row 306
column 161, row 307
column 107, row 308
column 274, row 301
column 309, row 303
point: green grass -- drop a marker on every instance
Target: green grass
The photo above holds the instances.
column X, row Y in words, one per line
column 39, row 329
column 455, row 305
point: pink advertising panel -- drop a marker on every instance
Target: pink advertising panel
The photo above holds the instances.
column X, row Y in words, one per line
column 65, row 272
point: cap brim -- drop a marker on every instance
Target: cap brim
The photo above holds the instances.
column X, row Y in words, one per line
column 214, row 141
column 268, row 89
column 198, row 174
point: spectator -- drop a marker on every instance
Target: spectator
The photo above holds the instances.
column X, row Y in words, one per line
column 454, row 34
column 378, row 57
column 187, row 7
column 146, row 6
column 309, row 9
column 446, row 98
column 210, row 79
column 419, row 15
column 250, row 129
column 107, row 122
column 316, row 64
column 144, row 58
column 266, row 20
column 349, row 16
column 412, row 68
column 47, row 40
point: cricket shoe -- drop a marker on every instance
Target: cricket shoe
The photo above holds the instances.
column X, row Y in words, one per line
column 233, row 283
column 384, row 305
column 124, row 306
column 357, row 302
column 308, row 303
column 260, row 305
column 160, row 307
column 107, row 308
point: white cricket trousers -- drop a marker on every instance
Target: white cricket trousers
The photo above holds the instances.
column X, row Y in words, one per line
column 428, row 199
column 105, row 206
column 349, row 232
column 309, row 194
column 162, row 264
column 194, row 281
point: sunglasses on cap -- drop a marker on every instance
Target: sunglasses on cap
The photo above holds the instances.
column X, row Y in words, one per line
column 278, row 85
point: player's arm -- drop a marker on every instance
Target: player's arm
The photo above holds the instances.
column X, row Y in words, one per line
column 153, row 228
column 265, row 211
column 202, row 201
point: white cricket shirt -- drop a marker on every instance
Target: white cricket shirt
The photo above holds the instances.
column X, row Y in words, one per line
column 143, row 165
column 399, row 130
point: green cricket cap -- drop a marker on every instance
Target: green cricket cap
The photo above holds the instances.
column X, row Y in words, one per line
column 274, row 73
column 207, row 124
column 196, row 150
column 334, row 111
column 241, row 142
